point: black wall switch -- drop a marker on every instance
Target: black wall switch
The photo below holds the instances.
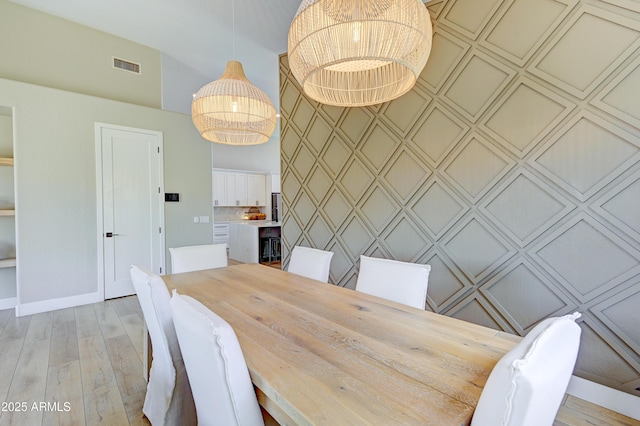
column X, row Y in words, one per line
column 171, row 196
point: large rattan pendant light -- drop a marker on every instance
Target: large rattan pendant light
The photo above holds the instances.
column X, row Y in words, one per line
column 233, row 111
column 358, row 52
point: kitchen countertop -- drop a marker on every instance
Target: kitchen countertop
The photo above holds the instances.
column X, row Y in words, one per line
column 259, row 223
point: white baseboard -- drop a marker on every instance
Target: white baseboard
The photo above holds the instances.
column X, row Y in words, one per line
column 611, row 399
column 8, row 303
column 55, row 304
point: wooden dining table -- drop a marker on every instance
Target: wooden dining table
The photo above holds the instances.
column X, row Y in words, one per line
column 322, row 354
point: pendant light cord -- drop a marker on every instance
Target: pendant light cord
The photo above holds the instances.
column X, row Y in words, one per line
column 233, row 27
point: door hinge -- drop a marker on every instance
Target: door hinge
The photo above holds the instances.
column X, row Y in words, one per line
column 158, row 190
column 160, row 230
column 158, row 150
column 161, row 269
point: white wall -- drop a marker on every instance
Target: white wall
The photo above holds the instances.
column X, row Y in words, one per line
column 49, row 51
column 56, row 184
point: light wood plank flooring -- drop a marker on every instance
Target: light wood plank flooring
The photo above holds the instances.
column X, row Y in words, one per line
column 79, row 366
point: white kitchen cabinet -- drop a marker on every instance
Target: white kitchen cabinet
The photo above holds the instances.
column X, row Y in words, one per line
column 257, row 189
column 219, row 188
column 275, row 182
column 238, row 189
column 221, row 233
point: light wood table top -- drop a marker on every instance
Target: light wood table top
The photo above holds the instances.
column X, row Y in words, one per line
column 322, row 354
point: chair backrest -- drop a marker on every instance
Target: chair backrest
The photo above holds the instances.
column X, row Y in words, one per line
column 197, row 258
column 527, row 385
column 401, row 282
column 222, row 388
column 310, row 263
column 168, row 395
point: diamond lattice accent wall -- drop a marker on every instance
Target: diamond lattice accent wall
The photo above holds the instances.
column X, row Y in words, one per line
column 512, row 168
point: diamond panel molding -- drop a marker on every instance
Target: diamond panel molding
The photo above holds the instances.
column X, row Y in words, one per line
column 446, row 283
column 355, row 237
column 512, row 168
column 619, row 97
column 476, row 166
column 524, row 207
column 436, row 134
column 587, row 154
column 446, row 53
column 477, row 264
column 401, row 114
column 619, row 206
column 516, row 19
column 469, row 17
column 587, row 258
column 567, row 64
column 618, row 314
column 506, row 288
column 542, row 109
column 378, row 209
column 475, row 86
column 437, row 209
column 404, row 174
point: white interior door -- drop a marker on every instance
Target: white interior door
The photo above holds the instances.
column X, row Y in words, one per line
column 131, row 193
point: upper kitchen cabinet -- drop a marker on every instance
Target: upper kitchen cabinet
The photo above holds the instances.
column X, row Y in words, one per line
column 257, row 189
column 238, row 189
column 219, row 188
column 275, row 182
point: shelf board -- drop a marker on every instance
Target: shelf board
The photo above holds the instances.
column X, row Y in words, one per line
column 7, row 263
column 4, row 161
column 7, row 212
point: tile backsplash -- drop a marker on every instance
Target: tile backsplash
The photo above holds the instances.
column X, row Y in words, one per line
column 231, row 214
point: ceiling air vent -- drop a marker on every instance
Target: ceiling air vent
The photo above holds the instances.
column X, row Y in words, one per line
column 126, row 65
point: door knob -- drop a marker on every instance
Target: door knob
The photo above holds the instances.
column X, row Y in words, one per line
column 110, row 234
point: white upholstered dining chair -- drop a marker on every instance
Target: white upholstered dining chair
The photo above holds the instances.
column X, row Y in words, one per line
column 527, row 385
column 196, row 258
column 222, row 388
column 310, row 263
column 401, row 282
column 168, row 400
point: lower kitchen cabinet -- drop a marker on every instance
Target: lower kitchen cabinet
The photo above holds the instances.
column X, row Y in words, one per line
column 255, row 242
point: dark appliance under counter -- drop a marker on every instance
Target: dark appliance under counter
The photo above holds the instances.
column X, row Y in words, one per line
column 255, row 241
column 269, row 238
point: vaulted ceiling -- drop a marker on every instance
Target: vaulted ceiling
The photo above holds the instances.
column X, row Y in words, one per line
column 195, row 32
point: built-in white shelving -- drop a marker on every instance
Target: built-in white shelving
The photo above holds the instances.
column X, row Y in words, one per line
column 8, row 283
column 7, row 263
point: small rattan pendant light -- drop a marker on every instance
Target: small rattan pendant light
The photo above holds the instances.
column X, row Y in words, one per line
column 358, row 52
column 233, row 111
